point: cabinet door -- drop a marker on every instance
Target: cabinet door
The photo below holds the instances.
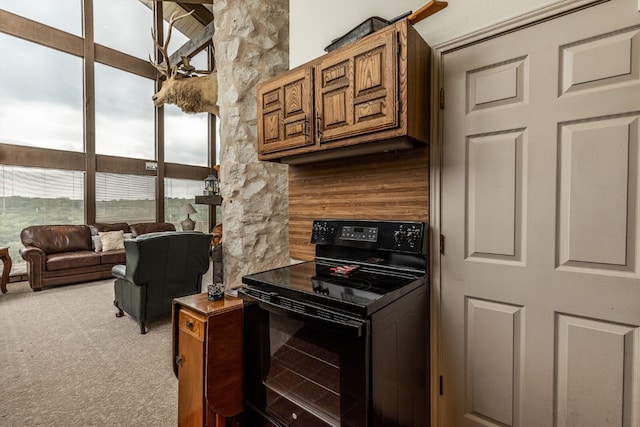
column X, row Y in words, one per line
column 191, row 335
column 356, row 90
column 285, row 112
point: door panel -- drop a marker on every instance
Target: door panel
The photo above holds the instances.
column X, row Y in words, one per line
column 591, row 390
column 494, row 366
column 495, row 195
column 540, row 289
column 597, row 191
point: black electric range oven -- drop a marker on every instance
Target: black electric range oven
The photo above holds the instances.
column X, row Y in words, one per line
column 342, row 340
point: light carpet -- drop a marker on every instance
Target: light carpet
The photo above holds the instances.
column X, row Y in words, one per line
column 66, row 360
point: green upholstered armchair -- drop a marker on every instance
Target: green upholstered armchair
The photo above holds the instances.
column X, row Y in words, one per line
column 159, row 267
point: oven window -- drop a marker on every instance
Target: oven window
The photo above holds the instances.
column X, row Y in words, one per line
column 313, row 377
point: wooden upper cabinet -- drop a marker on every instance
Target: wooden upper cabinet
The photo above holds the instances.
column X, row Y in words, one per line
column 371, row 95
column 356, row 89
column 285, row 112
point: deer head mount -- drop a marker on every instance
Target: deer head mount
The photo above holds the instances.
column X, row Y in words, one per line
column 194, row 91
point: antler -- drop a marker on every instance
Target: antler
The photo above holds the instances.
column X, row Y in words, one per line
column 166, row 70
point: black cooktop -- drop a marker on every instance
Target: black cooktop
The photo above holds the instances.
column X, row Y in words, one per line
column 360, row 266
column 356, row 289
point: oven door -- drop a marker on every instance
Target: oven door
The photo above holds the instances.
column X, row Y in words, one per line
column 299, row 371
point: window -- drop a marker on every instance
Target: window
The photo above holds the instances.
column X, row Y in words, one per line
column 41, row 96
column 125, row 198
column 42, row 109
column 124, row 25
column 124, row 114
column 64, row 15
column 186, row 136
column 179, row 192
column 30, row 196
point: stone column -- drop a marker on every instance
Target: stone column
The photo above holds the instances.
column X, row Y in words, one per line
column 251, row 44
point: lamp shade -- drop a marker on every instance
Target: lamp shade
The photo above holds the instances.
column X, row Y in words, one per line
column 188, row 209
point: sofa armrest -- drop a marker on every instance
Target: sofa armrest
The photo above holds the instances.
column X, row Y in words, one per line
column 34, row 256
column 36, row 260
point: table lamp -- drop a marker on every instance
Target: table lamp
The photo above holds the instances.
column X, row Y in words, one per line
column 188, row 224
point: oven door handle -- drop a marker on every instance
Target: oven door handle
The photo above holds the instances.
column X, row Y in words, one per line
column 350, row 327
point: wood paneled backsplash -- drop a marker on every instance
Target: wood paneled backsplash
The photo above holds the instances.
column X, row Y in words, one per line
column 389, row 186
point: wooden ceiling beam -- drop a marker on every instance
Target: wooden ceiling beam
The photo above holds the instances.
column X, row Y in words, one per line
column 200, row 13
column 195, row 45
column 189, row 1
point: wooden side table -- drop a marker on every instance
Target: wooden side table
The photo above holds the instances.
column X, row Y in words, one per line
column 6, row 261
column 207, row 359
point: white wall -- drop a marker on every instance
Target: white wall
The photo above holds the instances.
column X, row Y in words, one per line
column 314, row 24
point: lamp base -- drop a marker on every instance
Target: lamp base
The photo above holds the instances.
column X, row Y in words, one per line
column 188, row 224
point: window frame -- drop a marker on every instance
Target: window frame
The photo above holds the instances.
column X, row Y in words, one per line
column 88, row 161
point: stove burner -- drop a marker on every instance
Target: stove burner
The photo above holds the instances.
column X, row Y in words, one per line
column 361, row 285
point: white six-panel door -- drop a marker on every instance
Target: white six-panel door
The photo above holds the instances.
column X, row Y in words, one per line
column 540, row 210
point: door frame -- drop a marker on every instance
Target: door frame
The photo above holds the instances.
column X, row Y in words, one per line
column 554, row 10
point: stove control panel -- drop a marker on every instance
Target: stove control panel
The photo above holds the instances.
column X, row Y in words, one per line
column 401, row 236
column 357, row 232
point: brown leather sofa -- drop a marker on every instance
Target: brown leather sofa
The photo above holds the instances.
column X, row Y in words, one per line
column 64, row 254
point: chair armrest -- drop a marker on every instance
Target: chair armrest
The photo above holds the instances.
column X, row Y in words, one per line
column 119, row 271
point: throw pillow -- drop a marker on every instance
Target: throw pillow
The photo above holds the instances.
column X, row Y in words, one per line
column 112, row 240
column 96, row 243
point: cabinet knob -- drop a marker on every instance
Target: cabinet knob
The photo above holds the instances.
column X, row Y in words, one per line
column 179, row 361
column 189, row 324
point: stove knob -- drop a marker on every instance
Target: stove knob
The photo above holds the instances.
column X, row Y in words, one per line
column 412, row 236
column 323, row 230
column 319, row 289
column 399, row 236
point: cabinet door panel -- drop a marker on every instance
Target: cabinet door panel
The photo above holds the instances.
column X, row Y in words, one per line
column 271, row 125
column 191, row 380
column 284, row 112
column 357, row 89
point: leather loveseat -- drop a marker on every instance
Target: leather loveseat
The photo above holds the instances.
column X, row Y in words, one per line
column 159, row 267
column 65, row 254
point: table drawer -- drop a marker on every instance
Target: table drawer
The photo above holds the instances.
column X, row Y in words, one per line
column 192, row 323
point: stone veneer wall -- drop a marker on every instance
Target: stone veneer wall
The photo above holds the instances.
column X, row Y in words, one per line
column 251, row 44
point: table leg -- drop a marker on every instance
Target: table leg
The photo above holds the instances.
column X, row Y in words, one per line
column 6, row 261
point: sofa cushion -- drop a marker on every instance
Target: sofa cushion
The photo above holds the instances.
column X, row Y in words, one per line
column 112, row 240
column 113, row 257
column 96, row 243
column 67, row 260
column 140, row 228
column 54, row 239
column 103, row 226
